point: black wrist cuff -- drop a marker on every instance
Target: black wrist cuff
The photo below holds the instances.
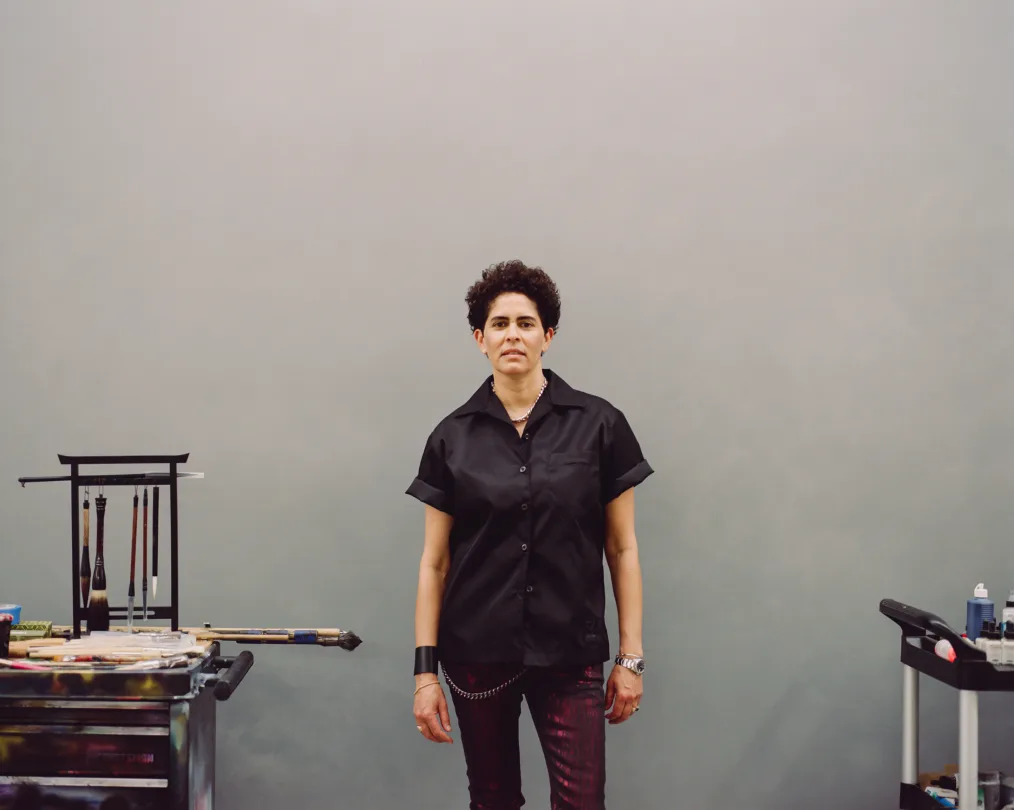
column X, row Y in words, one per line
column 425, row 660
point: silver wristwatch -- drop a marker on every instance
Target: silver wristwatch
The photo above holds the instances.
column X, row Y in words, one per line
column 634, row 663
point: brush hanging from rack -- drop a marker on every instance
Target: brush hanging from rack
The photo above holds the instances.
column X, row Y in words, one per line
column 144, row 554
column 86, row 566
column 98, row 607
column 154, row 543
column 133, row 556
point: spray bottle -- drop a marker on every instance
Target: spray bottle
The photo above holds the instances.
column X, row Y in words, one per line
column 979, row 609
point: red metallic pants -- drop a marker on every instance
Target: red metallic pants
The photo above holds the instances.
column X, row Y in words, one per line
column 567, row 705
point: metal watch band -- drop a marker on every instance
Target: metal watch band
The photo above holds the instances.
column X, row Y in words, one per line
column 635, row 663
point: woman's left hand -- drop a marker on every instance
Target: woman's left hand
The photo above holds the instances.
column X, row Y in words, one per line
column 623, row 692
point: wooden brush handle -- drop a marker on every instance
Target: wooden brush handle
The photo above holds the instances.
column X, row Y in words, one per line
column 100, row 526
column 85, row 524
column 154, row 532
column 288, row 632
column 144, row 537
column 20, row 649
column 113, row 653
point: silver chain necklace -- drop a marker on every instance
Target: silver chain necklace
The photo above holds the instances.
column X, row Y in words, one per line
column 521, row 419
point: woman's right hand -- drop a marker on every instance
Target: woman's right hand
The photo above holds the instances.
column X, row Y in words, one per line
column 430, row 709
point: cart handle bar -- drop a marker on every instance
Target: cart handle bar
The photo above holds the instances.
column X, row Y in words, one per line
column 914, row 621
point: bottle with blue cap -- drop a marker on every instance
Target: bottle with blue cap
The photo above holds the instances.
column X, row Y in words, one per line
column 979, row 609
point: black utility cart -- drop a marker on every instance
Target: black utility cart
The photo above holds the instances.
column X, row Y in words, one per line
column 970, row 674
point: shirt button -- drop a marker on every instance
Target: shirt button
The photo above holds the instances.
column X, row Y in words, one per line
column 524, row 546
column 524, row 506
column 523, row 469
column 529, row 589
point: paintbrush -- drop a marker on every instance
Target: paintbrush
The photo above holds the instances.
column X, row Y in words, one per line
column 50, row 647
column 20, row 649
column 11, row 664
column 98, row 608
column 113, row 654
column 321, row 636
column 144, row 564
column 133, row 557
column 154, row 543
column 86, row 568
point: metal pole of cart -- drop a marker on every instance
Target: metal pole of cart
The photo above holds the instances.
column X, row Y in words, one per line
column 968, row 748
column 910, row 726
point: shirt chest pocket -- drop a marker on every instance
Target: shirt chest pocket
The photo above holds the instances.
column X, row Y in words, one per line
column 574, row 480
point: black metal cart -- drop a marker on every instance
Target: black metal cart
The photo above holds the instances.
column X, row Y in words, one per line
column 970, row 674
column 88, row 739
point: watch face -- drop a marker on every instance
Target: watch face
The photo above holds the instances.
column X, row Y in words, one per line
column 640, row 666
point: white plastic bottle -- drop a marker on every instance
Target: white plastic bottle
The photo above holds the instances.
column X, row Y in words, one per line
column 1008, row 646
column 1007, row 617
column 994, row 645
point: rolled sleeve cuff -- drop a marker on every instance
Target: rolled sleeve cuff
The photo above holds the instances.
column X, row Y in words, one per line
column 429, row 494
column 634, row 476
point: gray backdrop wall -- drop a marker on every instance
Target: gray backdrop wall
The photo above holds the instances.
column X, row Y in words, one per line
column 783, row 235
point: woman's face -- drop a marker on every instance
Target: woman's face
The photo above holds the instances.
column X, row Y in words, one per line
column 513, row 337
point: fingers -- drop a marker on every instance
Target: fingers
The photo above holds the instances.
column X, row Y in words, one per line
column 610, row 692
column 438, row 721
column 433, row 731
column 429, row 727
column 424, row 729
column 623, row 708
column 432, row 718
column 445, row 717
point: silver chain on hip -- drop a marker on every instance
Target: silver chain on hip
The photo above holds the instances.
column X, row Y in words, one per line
column 479, row 695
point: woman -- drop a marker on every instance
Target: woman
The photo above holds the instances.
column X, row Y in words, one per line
column 525, row 487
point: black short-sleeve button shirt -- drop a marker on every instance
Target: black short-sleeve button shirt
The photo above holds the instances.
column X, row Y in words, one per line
column 527, row 579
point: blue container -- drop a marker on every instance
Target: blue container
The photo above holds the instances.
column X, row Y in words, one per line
column 14, row 610
column 979, row 609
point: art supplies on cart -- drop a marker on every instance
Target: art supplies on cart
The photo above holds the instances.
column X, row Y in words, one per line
column 115, row 708
column 92, row 611
column 983, row 631
column 979, row 659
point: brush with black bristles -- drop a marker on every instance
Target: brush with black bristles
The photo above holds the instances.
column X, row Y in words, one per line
column 154, row 543
column 86, row 566
column 98, row 607
column 133, row 556
column 144, row 555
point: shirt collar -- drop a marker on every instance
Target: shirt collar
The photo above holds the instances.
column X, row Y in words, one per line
column 558, row 393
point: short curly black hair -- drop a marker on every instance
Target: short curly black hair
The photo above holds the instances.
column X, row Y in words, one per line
column 514, row 276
